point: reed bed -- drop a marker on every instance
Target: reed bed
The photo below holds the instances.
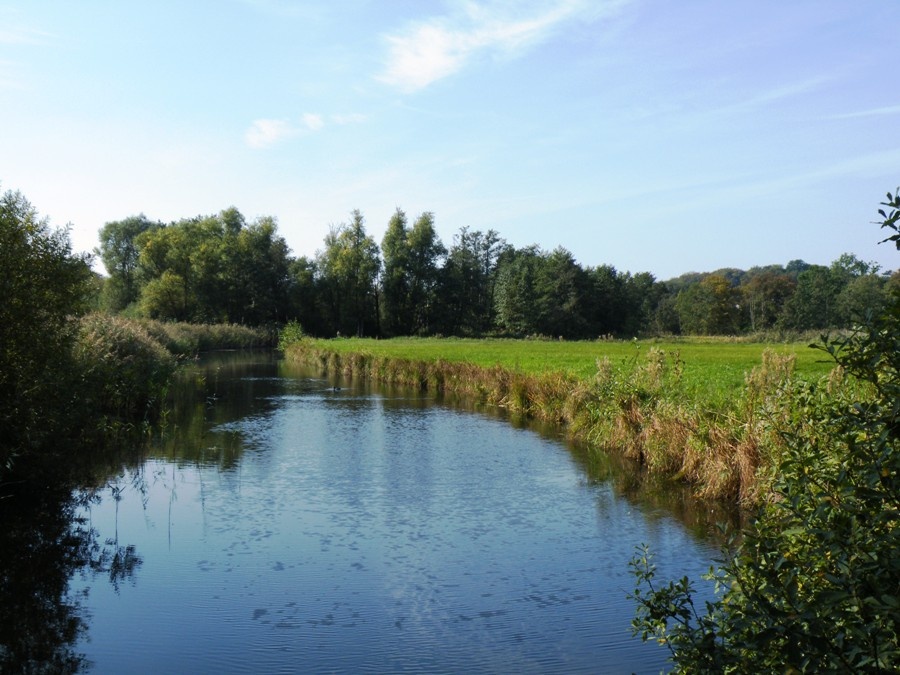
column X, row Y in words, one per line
column 647, row 401
column 189, row 339
column 122, row 368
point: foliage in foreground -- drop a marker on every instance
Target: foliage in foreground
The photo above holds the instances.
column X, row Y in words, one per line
column 814, row 585
column 41, row 284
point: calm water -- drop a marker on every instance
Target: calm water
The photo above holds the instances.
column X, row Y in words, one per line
column 285, row 526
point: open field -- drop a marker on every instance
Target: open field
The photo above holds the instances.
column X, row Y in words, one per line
column 712, row 368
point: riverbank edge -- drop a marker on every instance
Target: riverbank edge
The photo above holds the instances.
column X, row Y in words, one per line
column 110, row 387
column 641, row 413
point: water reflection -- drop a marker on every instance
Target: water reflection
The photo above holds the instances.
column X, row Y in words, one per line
column 43, row 545
column 282, row 524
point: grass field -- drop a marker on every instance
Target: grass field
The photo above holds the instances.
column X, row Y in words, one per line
column 713, row 368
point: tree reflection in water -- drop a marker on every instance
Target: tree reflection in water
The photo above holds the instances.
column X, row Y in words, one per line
column 42, row 545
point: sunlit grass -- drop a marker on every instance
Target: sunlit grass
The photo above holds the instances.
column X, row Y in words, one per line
column 713, row 368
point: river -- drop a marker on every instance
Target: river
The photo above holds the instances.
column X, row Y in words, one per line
column 286, row 523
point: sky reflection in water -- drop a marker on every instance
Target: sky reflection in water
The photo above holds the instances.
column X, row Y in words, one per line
column 300, row 528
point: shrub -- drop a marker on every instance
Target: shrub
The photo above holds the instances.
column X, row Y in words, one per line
column 41, row 284
column 814, row 585
column 291, row 333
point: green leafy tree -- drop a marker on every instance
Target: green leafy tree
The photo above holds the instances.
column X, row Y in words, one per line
column 822, row 299
column 42, row 284
column 562, row 287
column 396, row 300
column 764, row 295
column 861, row 296
column 710, row 307
column 255, row 272
column 812, row 305
column 643, row 295
column 214, row 268
column 516, row 294
column 607, row 300
column 468, row 282
column 304, row 296
column 120, row 253
column 814, row 585
column 349, row 268
column 425, row 254
column 411, row 257
column 891, row 217
column 168, row 271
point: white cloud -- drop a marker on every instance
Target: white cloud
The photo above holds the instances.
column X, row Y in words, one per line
column 266, row 132
column 430, row 50
column 263, row 133
column 7, row 78
column 22, row 36
column 313, row 122
column 348, row 118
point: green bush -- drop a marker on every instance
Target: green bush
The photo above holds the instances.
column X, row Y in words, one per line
column 814, row 585
column 291, row 333
column 42, row 283
column 190, row 339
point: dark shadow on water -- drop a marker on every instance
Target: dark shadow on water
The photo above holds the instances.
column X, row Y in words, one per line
column 43, row 545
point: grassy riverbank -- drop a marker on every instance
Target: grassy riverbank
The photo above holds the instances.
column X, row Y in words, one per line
column 708, row 412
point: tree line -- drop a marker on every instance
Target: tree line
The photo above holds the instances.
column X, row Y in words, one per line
column 222, row 268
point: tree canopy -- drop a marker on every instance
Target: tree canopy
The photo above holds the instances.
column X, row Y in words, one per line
column 223, row 268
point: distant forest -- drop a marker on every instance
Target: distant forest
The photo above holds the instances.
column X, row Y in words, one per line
column 221, row 268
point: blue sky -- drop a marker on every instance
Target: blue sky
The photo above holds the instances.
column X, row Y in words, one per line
column 652, row 135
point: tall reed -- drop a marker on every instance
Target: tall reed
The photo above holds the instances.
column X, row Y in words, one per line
column 123, row 371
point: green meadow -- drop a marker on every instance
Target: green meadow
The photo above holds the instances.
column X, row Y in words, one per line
column 713, row 368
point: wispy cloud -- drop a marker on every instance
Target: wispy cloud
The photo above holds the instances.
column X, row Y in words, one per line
column 785, row 91
column 871, row 112
column 427, row 51
column 7, row 79
column 348, row 118
column 266, row 132
column 286, row 8
column 23, row 36
column 744, row 102
column 313, row 122
column 14, row 36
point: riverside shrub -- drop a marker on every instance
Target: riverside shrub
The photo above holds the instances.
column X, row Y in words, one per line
column 42, row 284
column 814, row 585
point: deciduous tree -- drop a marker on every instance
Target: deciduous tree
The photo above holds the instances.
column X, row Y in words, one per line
column 349, row 267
